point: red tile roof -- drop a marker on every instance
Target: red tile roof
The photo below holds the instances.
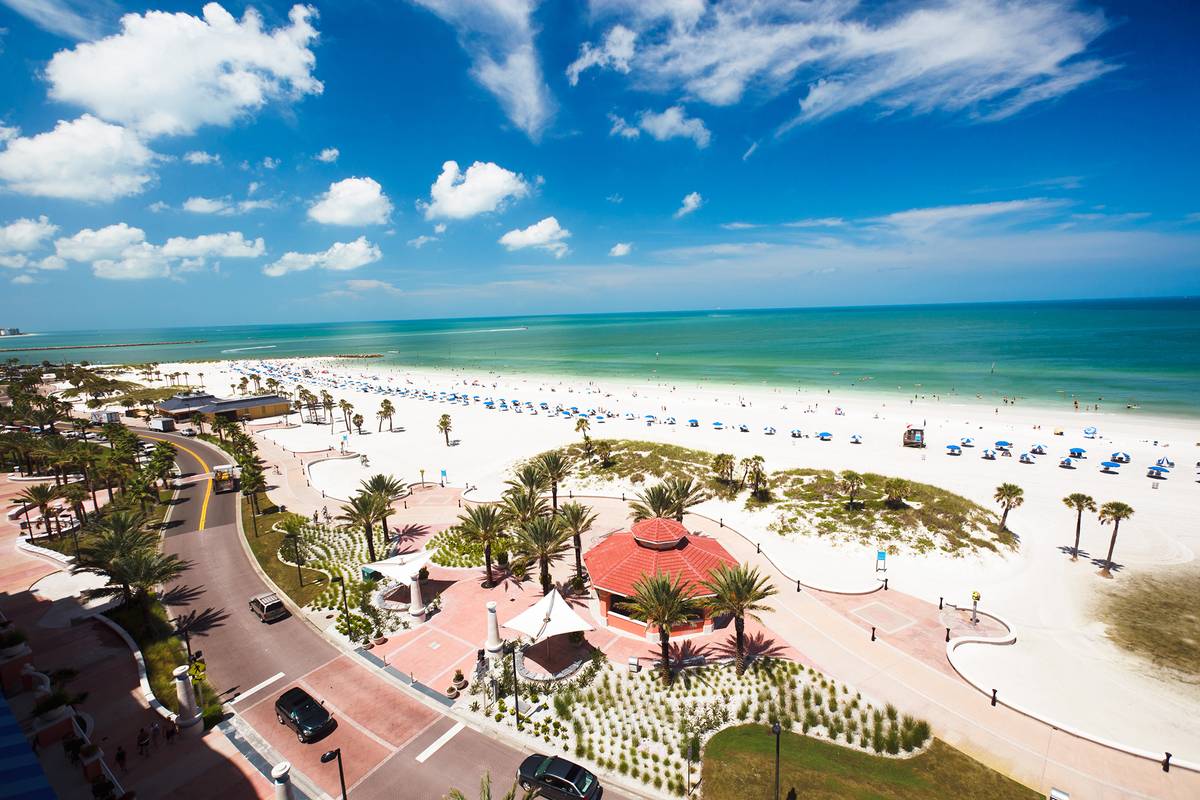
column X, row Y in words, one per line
column 618, row 562
column 658, row 530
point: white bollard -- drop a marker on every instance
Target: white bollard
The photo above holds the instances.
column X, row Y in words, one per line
column 189, row 714
column 282, row 780
column 493, row 643
column 416, row 606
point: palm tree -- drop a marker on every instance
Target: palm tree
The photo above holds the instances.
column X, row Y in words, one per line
column 555, row 468
column 1113, row 512
column 757, row 476
column 389, row 489
column 484, row 524
column 198, row 421
column 529, row 479
column 542, row 539
column 1080, row 502
column 1009, row 496
column 583, row 426
column 653, row 502
column 485, row 791
column 117, row 534
column 39, row 496
column 739, row 591
column 521, row 506
column 134, row 575
column 293, row 540
column 363, row 511
column 443, row 426
column 346, row 407
column 894, row 491
column 662, row 601
column 386, row 411
column 852, row 483
column 358, row 423
column 685, row 493
column 577, row 519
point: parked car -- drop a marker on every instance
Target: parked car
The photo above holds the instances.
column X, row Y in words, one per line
column 297, row 709
column 268, row 607
column 188, row 432
column 556, row 778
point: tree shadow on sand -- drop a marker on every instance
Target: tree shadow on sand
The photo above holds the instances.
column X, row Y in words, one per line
column 757, row 646
column 1067, row 549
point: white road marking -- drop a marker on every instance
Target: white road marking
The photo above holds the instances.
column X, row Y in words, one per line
column 258, row 686
column 437, row 745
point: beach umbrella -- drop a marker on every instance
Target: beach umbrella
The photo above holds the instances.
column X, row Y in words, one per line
column 1068, row 462
column 1077, row 451
column 825, row 435
column 1038, row 448
column 1109, row 464
column 717, row 425
column 650, row 416
column 954, row 449
column 795, row 433
column 670, row 420
column 769, row 431
column 1002, row 443
column 967, row 441
column 1159, row 469
column 1164, row 462
column 1026, row 458
column 695, row 423
column 1089, row 431
column 855, row 439
column 1122, row 457
column 989, row 453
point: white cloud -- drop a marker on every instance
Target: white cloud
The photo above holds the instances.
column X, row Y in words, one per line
column 988, row 59
column 691, row 202
column 85, row 159
column 675, row 123
column 421, row 241
column 621, row 249
column 370, row 285
column 50, row 263
column 328, row 155
column 157, row 207
column 498, row 36
column 740, row 226
column 23, row 280
column 621, row 127
column 24, row 234
column 7, row 133
column 353, row 201
column 341, row 256
column 482, row 188
column 440, row 228
column 615, row 53
column 749, row 151
column 214, row 245
column 269, row 163
column 816, row 222
column 205, row 205
column 75, row 19
column 139, row 262
column 253, row 187
column 170, row 73
column 200, row 157
column 546, row 234
column 93, row 245
column 918, row 222
column 18, row 261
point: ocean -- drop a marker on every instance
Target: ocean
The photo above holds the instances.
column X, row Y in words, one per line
column 1119, row 353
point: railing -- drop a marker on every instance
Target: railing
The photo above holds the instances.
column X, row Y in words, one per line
column 118, row 791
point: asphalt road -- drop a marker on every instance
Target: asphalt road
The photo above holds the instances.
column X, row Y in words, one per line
column 382, row 729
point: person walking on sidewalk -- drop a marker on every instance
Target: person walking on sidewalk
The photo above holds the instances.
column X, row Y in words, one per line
column 143, row 742
column 121, row 758
column 155, row 733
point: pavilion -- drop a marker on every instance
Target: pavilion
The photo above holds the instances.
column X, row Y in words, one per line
column 650, row 547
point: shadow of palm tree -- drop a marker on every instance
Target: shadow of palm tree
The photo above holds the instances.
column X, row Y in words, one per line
column 199, row 623
column 683, row 652
column 1113, row 566
column 1067, row 549
column 181, row 595
column 757, row 646
column 408, row 532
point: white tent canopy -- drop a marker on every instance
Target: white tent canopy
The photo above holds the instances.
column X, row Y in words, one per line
column 548, row 617
column 401, row 568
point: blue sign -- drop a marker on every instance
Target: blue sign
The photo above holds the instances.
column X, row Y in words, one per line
column 443, row 473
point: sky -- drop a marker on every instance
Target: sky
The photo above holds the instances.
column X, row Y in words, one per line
column 181, row 163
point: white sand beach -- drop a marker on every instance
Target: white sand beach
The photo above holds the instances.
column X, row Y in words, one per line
column 1062, row 666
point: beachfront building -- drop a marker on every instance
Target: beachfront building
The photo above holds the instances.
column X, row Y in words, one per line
column 650, row 547
column 10, row 331
column 183, row 405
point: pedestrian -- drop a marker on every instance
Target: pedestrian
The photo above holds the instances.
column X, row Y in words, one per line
column 143, row 742
column 121, row 758
column 155, row 732
column 172, row 729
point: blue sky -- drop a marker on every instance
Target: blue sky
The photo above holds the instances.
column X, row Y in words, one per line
column 181, row 163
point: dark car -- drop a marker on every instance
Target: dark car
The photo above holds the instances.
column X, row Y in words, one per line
column 298, row 710
column 558, row 779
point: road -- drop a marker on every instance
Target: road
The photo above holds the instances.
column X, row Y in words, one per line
column 382, row 729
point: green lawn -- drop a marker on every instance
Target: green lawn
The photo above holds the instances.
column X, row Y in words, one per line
column 65, row 544
column 740, row 763
column 265, row 547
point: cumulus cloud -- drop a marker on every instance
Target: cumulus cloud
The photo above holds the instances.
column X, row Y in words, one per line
column 138, row 262
column 675, row 123
column 621, row 249
column 7, row 132
column 482, row 188
column 988, row 59
column 621, row 127
column 171, row 73
column 92, row 245
column 121, row 252
column 498, row 37
column 23, row 280
column 200, row 157
column 545, row 234
column 340, row 257
column 614, row 53
column 353, row 201
column 224, row 206
column 691, row 202
column 328, row 155
column 24, row 234
column 365, row 285
column 214, row 245
column 75, row 19
column 269, row 163
column 85, row 159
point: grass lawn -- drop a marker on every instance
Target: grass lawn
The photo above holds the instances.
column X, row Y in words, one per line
column 265, row 547
column 163, row 652
column 1155, row 616
column 740, row 763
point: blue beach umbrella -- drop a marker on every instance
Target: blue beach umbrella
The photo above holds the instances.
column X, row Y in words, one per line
column 1122, row 457
column 1109, row 465
column 1077, row 451
column 967, row 441
column 954, row 449
column 1089, row 431
column 1159, row 470
column 1164, row 462
column 824, row 436
column 988, row 453
column 1067, row 463
column 1002, row 443
column 795, row 433
column 1038, row 448
column 856, row 439
column 718, row 425
column 694, row 423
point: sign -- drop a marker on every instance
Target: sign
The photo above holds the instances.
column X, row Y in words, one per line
column 881, row 560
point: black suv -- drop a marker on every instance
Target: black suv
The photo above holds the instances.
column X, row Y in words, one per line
column 558, row 779
column 298, row 710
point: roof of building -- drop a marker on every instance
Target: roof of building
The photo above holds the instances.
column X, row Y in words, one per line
column 186, row 400
column 622, row 559
column 209, row 404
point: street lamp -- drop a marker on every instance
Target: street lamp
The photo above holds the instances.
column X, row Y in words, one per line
column 330, row 755
column 345, row 605
column 776, row 729
column 511, row 649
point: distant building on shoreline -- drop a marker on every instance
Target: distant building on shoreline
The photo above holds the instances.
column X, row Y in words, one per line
column 10, row 331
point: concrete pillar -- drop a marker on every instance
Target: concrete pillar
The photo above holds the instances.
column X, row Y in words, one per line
column 281, row 778
column 493, row 643
column 416, row 605
column 189, row 714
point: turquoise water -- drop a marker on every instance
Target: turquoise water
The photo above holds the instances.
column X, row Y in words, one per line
column 1142, row 352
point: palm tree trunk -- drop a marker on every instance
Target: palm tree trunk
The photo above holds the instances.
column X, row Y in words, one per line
column 664, row 639
column 1004, row 518
column 1078, row 525
column 1112, row 544
column 487, row 563
column 386, row 533
column 544, row 564
column 578, row 558
column 370, row 542
column 554, row 496
column 739, row 627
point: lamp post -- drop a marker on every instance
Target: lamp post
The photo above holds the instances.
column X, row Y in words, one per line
column 253, row 517
column 975, row 598
column 338, row 579
column 512, row 651
column 776, row 729
column 330, row 755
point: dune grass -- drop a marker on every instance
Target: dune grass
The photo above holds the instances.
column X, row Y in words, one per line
column 740, row 763
column 1156, row 617
column 265, row 547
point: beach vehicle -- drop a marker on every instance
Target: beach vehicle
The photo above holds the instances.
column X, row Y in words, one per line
column 556, row 778
column 825, row 436
column 1067, row 463
column 914, row 437
column 1120, row 457
column 225, row 477
column 298, row 710
column 693, row 423
column 796, row 434
column 1109, row 467
column 769, row 431
column 1157, row 471
column 267, row 607
column 989, row 454
column 1026, row 458
column 953, row 450
column 855, row 439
